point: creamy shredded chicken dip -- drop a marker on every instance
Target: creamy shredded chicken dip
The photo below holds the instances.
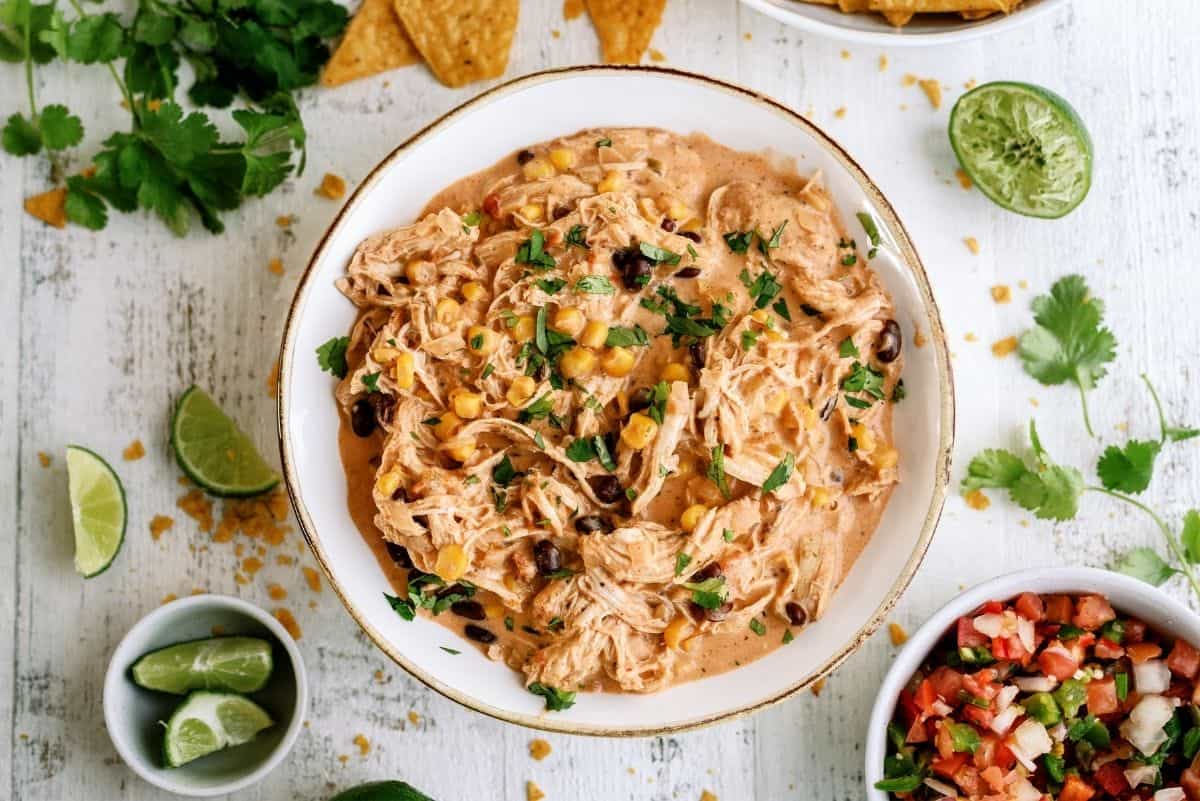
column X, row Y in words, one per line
column 619, row 408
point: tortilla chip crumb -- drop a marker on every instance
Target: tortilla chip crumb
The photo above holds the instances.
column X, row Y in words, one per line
column 977, row 500
column 897, row 633
column 276, row 592
column 657, row 55
column 332, row 187
column 533, row 792
column 170, row 596
column 217, row 630
column 964, row 180
column 240, row 580
column 414, row 718
column 1034, row 402
column 288, row 621
column 539, row 749
column 44, row 459
column 933, row 90
column 134, row 452
column 364, row 745
column 275, row 266
column 199, row 507
column 273, row 380
column 972, row 244
column 883, row 62
column 971, row 336
column 572, row 9
column 159, row 524
column 312, row 604
column 1004, row 347
column 199, row 591
column 845, row 55
column 556, row 33
column 748, row 36
column 49, row 207
column 1023, row 284
column 919, row 338
column 707, row 796
column 312, row 577
column 379, row 676
column 817, row 686
column 840, row 113
column 252, row 564
column 1001, row 293
column 909, row 79
column 343, row 758
column 285, row 220
column 971, row 84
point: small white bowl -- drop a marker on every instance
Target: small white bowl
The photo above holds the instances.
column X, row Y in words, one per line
column 1127, row 595
column 132, row 714
column 922, row 30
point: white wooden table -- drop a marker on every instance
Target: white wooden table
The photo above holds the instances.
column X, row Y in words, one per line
column 103, row 330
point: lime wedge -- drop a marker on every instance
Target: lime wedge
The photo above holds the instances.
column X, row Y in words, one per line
column 208, row 722
column 214, row 452
column 231, row 664
column 382, row 791
column 1024, row 147
column 97, row 511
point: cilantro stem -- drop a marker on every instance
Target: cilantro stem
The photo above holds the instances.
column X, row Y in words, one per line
column 112, row 71
column 1087, row 418
column 1173, row 545
column 34, row 115
column 1162, row 418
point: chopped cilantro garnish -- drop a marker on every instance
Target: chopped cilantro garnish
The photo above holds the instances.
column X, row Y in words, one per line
column 727, row 534
column 371, row 381
column 899, row 393
column 682, row 560
column 550, row 286
column 575, row 237
column 868, row 224
column 781, row 308
column 763, row 288
column 605, row 142
column 716, row 470
column 331, row 356
column 658, row 255
column 749, row 339
column 857, row 403
column 556, row 699
column 488, row 369
column 532, row 252
column 508, row 623
column 603, row 454
column 504, row 473
column 757, row 626
column 595, row 285
column 773, row 242
column 781, row 475
column 537, row 410
column 788, row 636
column 470, row 480
column 431, row 421
column 864, row 379
column 708, row 594
column 658, row 402
column 471, row 220
column 450, row 651
column 509, row 318
column 581, row 450
column 848, row 350
column 401, row 606
column 738, row 241
column 622, row 337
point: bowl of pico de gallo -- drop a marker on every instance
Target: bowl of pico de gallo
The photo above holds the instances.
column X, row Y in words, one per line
column 1051, row 684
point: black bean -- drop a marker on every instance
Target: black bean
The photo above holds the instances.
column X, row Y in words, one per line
column 590, row 524
column 399, row 554
column 796, row 613
column 524, row 157
column 362, row 418
column 688, row 272
column 699, row 353
column 384, row 405
column 692, row 235
column 607, row 488
column 639, row 399
column 547, row 556
column 400, row 494
column 637, row 272
column 811, row 311
column 479, row 634
column 623, row 256
column 560, row 212
column 711, row 570
column 887, row 347
column 668, row 224
column 827, row 409
column 471, row 610
column 718, row 614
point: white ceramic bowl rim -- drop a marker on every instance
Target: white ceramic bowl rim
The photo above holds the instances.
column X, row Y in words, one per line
column 910, row 261
column 117, row 673
column 1117, row 587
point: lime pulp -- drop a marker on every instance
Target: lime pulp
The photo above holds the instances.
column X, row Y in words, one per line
column 214, row 452
column 208, row 722
column 232, row 664
column 98, row 510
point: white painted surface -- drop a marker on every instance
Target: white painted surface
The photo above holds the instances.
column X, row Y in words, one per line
column 105, row 329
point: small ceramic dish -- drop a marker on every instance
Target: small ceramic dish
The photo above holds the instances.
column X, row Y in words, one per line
column 1127, row 595
column 924, row 29
column 132, row 714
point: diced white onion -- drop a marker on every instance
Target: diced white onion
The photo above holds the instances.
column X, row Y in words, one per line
column 1025, row 633
column 1151, row 676
column 1058, row 732
column 1142, row 774
column 1144, row 728
column 1032, row 738
column 1005, row 697
column 1028, row 763
column 940, row 787
column 1036, row 684
column 1004, row 720
column 1170, row 794
column 941, row 708
column 1022, row 790
column 990, row 625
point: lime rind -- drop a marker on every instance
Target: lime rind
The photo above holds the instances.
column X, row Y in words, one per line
column 208, row 722
column 214, row 453
column 222, row 664
column 98, row 510
column 1024, row 147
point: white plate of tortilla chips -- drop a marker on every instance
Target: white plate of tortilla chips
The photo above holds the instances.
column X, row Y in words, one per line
column 906, row 22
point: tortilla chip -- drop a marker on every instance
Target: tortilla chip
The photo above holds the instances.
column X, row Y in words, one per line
column 49, row 207
column 461, row 40
column 625, row 27
column 572, row 9
column 374, row 43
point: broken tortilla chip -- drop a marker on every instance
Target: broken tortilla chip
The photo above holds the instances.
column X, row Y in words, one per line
column 625, row 27
column 461, row 40
column 572, row 9
column 49, row 207
column 374, row 42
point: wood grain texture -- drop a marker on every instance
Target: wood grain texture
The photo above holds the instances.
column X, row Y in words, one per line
column 105, row 329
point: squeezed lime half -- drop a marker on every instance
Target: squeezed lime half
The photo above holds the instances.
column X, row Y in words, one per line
column 97, row 510
column 214, row 452
column 1024, row 147
column 208, row 722
column 232, row 664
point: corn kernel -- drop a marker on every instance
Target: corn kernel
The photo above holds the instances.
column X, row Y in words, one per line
column 493, row 609
column 451, row 562
column 622, row 402
column 577, row 363
column 446, row 311
column 510, row 581
column 525, row 328
column 521, row 390
column 467, row 405
column 886, row 458
column 676, row 631
column 461, row 449
column 384, row 355
column 446, row 425
column 776, row 402
column 774, row 335
column 568, row 321
column 809, row 417
column 675, row 372
column 388, row 483
column 691, row 517
column 420, row 271
column 649, row 209
column 473, row 291
column 639, row 431
column 612, row 181
column 685, row 468
column 819, row 498
column 677, row 209
column 618, row 362
column 760, row 316
column 563, row 158
column 537, row 168
column 694, row 224
column 531, row 212
column 481, row 341
column 594, row 334
column 863, row 437
column 404, row 370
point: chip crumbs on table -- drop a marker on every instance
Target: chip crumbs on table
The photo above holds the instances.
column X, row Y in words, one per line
column 134, row 451
column 364, row 745
column 1004, row 347
column 897, row 633
column 286, row 619
column 159, row 524
column 977, row 500
column 1001, row 293
column 332, row 187
column 44, row 459
column 533, row 792
column 539, row 749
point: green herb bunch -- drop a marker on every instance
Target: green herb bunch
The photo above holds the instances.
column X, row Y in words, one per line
column 171, row 162
column 1069, row 343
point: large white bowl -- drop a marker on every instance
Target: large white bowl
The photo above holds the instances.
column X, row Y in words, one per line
column 922, row 30
column 1127, row 595
column 476, row 135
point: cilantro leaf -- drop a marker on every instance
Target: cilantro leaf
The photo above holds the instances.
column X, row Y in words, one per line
column 993, row 469
column 1128, row 469
column 331, row 356
column 556, row 699
column 401, row 606
column 20, row 137
column 550, row 286
column 1144, row 564
column 781, row 475
column 84, row 207
column 532, row 252
column 576, row 237
column 95, row 38
column 738, row 241
column 581, row 450
column 1190, row 537
column 658, row 255
column 708, row 594
column 716, row 471
column 595, row 285
column 848, row 350
column 60, row 128
column 1052, row 493
column 622, row 337
column 682, row 560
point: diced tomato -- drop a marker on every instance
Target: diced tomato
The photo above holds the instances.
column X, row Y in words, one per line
column 968, row 637
column 1184, row 660
column 981, row 684
column 1030, row 607
column 1111, row 778
column 1059, row 608
column 1135, row 631
column 1190, row 782
column 948, row 766
column 491, row 205
column 1076, row 789
column 1143, row 652
column 989, row 608
column 1107, row 649
column 917, row 732
column 909, row 705
column 994, row 778
column 1180, row 689
column 967, row 779
column 1102, row 696
column 992, row 752
column 1092, row 612
column 925, row 696
column 1058, row 663
column 978, row 715
column 947, row 683
column 944, row 743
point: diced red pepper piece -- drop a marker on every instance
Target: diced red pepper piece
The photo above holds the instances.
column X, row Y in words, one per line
column 1184, row 660
column 1076, row 789
column 491, row 205
column 1107, row 649
column 1029, row 606
column 1092, row 612
column 1143, row 652
column 1056, row 662
column 1111, row 778
column 968, row 637
column 1102, row 696
column 948, row 766
column 1059, row 608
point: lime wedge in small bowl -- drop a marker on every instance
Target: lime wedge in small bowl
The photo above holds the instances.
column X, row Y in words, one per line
column 208, row 722
column 214, row 452
column 1024, row 147
column 97, row 510
column 229, row 664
